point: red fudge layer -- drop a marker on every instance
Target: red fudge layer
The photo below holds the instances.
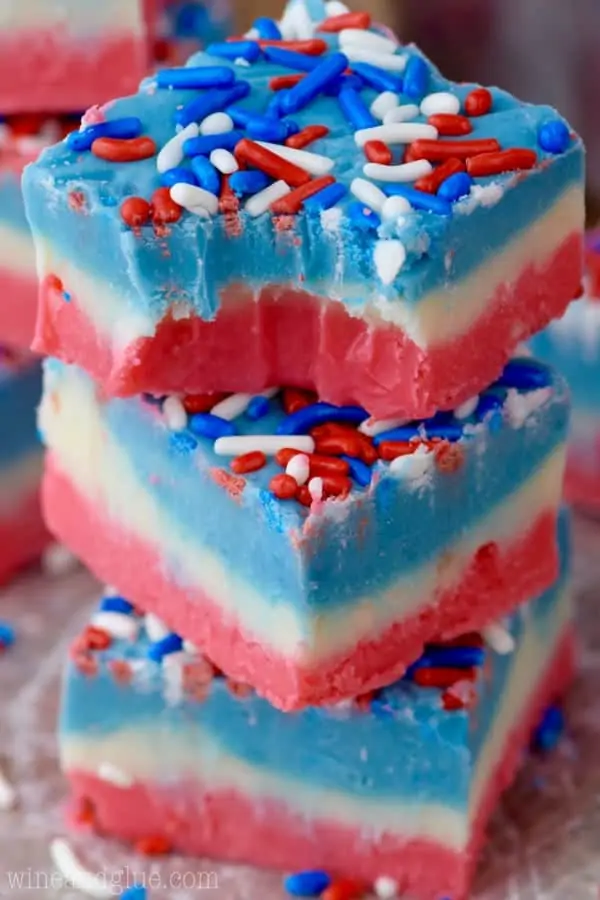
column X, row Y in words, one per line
column 505, row 577
column 19, row 305
column 23, row 536
column 196, row 820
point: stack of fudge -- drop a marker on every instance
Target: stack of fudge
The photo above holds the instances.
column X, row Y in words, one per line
column 283, row 288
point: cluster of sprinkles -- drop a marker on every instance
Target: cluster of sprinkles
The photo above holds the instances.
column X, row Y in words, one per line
column 326, row 451
column 418, row 153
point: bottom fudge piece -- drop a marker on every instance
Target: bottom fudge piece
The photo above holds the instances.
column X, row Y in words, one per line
column 23, row 535
column 161, row 750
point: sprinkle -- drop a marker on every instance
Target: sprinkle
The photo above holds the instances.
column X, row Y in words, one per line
column 156, row 629
column 344, row 890
column 216, row 123
column 236, row 405
column 405, row 113
column 307, row 136
column 266, row 129
column 313, row 163
column 430, row 183
column 368, row 193
column 120, row 626
column 499, row 639
column 394, row 208
column 355, row 109
column 373, row 427
column 243, row 183
column 172, row 643
column 205, row 144
column 123, row 150
column 383, row 104
column 113, row 775
column 261, row 202
column 274, row 164
column 502, row 161
column 399, row 133
column 299, row 20
column 195, row 77
column 378, row 79
column 211, row 101
column 455, row 657
column 442, row 677
column 402, row 173
column 174, row 413
column 307, row 884
column 554, row 137
column 290, row 59
column 466, row 409
column 413, row 466
column 359, row 471
column 416, row 77
column 347, row 20
column 449, row 457
column 478, row 102
column 367, row 40
column 439, row 151
column 269, row 444
column 379, row 153
column 299, row 468
column 440, row 102
column 165, row 209
column 8, row 794
column 58, row 560
column 420, row 200
column 154, row 845
column 75, row 872
column 198, row 403
column 316, row 489
column 308, row 47
column 550, row 730
column 455, row 187
column 224, row 161
column 294, row 399
column 135, row 892
column 524, row 374
column 258, row 408
column 302, row 421
column 195, row 199
column 115, row 603
column 207, row 176
column 386, row 888
column 335, row 8
column 248, row 462
column 283, row 82
column 389, row 257
column 322, row 77
column 129, row 127
column 248, row 50
column 388, row 61
column 283, row 486
column 267, row 28
column 178, row 175
column 210, row 426
column 450, row 125
column 135, row 212
column 292, row 202
column 362, row 217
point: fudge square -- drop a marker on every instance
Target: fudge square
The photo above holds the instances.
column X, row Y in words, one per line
column 328, row 212
column 65, row 55
column 319, row 572
column 160, row 751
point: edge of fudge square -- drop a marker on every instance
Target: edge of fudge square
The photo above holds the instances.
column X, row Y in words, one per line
column 307, row 552
column 328, row 212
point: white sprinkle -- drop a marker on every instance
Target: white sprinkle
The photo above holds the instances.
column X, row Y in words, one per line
column 383, row 104
column 397, row 174
column 173, row 666
column 299, row 468
column 400, row 133
column 331, row 219
column 394, row 208
column 440, row 102
column 373, row 427
column 313, row 163
column 76, row 874
column 335, row 8
column 386, row 888
column 224, row 161
column 368, row 193
column 519, row 407
column 190, row 648
column 109, row 590
column 414, row 466
column 301, row 22
column 315, row 488
column 259, row 203
column 119, row 625
column 155, row 628
column 499, row 639
column 58, row 560
column 240, row 61
column 389, row 258
column 174, row 413
column 237, row 404
column 467, row 408
column 195, row 199
column 252, row 34
column 366, row 40
column 216, row 123
column 391, row 62
column 405, row 113
column 172, row 153
column 8, row 794
column 108, row 772
column 269, row 444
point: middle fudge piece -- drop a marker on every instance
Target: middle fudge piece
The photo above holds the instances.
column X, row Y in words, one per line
column 324, row 581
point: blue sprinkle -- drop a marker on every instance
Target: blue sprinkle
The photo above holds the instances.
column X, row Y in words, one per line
column 309, row 417
column 453, row 657
column 66, row 296
column 320, row 78
column 450, row 432
column 550, row 730
column 243, row 183
column 326, row 198
column 7, row 634
column 350, row 81
column 117, row 605
column 488, row 403
column 267, row 29
column 206, row 143
column 416, row 78
column 355, row 109
column 258, row 408
column 420, row 199
column 265, row 129
column 362, row 217
column 208, row 177
column 136, row 892
column 307, row 884
column 210, row 102
column 172, row 643
column 524, row 374
column 554, row 137
column 248, row 50
column 209, row 426
column 196, row 77
column 402, row 433
column 378, row 78
column 182, row 441
column 290, row 59
column 455, row 187
column 360, row 471
column 129, row 127
column 177, row 175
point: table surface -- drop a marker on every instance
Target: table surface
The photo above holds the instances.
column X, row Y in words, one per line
column 544, row 840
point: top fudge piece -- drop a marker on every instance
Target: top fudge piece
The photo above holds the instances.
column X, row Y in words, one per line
column 329, row 212
column 87, row 52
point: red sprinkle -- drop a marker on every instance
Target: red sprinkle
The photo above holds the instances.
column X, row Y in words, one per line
column 449, row 125
column 248, row 462
column 120, row 670
column 282, row 82
column 439, row 151
column 478, row 102
column 283, row 486
column 336, row 485
column 85, row 663
column 363, row 701
column 77, row 201
column 135, row 211
column 85, row 814
column 338, row 444
column 430, row 183
column 345, row 890
column 238, row 688
column 253, row 154
column 164, row 208
column 334, row 439
column 304, row 496
column 503, row 161
column 378, row 152
column 292, row 202
column 442, row 677
column 96, row 638
column 124, row 149
column 390, row 450
column 199, row 403
column 54, row 283
column 452, row 702
column 295, row 399
column 229, row 206
column 154, row 845
column 314, row 47
column 307, row 136
column 346, row 20
column 472, row 639
column 449, row 457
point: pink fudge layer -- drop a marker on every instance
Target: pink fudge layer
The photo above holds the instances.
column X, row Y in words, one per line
column 503, row 575
column 198, row 820
column 313, row 342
